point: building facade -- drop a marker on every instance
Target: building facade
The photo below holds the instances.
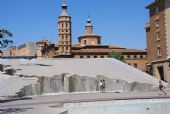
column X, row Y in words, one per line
column 27, row 50
column 158, row 39
column 89, row 45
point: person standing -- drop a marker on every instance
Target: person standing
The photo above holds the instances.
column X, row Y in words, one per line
column 101, row 86
column 104, row 86
column 161, row 87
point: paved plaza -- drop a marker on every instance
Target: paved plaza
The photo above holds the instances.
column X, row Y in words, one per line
column 43, row 103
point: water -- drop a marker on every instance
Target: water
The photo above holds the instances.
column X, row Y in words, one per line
column 146, row 106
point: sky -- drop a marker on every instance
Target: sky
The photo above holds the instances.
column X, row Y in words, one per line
column 119, row 22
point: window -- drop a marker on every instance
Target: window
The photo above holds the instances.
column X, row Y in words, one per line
column 157, row 22
column 159, row 52
column 88, row 56
column 129, row 64
column 141, row 56
column 135, row 56
column 62, row 49
column 128, row 56
column 66, row 25
column 157, row 10
column 85, row 42
column 135, row 65
column 62, row 37
column 95, row 56
column 99, row 41
column 81, row 56
column 66, row 37
column 102, row 56
column 158, row 36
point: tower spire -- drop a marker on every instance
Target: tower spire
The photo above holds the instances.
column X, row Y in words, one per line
column 89, row 27
column 88, row 21
column 64, row 8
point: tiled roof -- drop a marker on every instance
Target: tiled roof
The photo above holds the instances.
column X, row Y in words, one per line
column 108, row 51
column 116, row 47
column 130, row 50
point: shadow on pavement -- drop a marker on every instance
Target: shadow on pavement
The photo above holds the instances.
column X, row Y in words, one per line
column 15, row 99
column 14, row 110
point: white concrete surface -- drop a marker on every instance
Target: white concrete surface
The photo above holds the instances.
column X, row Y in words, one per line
column 110, row 68
column 9, row 85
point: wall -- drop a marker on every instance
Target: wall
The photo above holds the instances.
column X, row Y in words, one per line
column 89, row 41
column 141, row 64
column 166, row 67
column 30, row 49
column 77, row 83
column 167, row 21
column 152, row 43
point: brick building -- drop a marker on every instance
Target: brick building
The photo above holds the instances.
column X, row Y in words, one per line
column 27, row 50
column 89, row 45
column 158, row 39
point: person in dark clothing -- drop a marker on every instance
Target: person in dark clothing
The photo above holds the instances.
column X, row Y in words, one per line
column 161, row 87
column 104, row 86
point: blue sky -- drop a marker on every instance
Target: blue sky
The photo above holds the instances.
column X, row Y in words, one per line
column 119, row 22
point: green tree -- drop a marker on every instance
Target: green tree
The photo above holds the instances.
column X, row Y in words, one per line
column 116, row 55
column 4, row 41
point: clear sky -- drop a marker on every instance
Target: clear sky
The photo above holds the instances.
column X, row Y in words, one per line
column 119, row 22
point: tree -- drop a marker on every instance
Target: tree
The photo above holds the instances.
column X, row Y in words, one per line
column 4, row 42
column 116, row 55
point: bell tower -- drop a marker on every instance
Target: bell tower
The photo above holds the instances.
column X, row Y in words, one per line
column 64, row 31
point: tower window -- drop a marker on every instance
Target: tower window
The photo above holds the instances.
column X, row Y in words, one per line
column 157, row 10
column 85, row 42
column 99, row 41
column 62, row 49
column 62, row 37
column 158, row 36
column 159, row 52
column 157, row 22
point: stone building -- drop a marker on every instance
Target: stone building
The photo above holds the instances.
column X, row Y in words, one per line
column 89, row 45
column 9, row 52
column 27, row 50
column 158, row 39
